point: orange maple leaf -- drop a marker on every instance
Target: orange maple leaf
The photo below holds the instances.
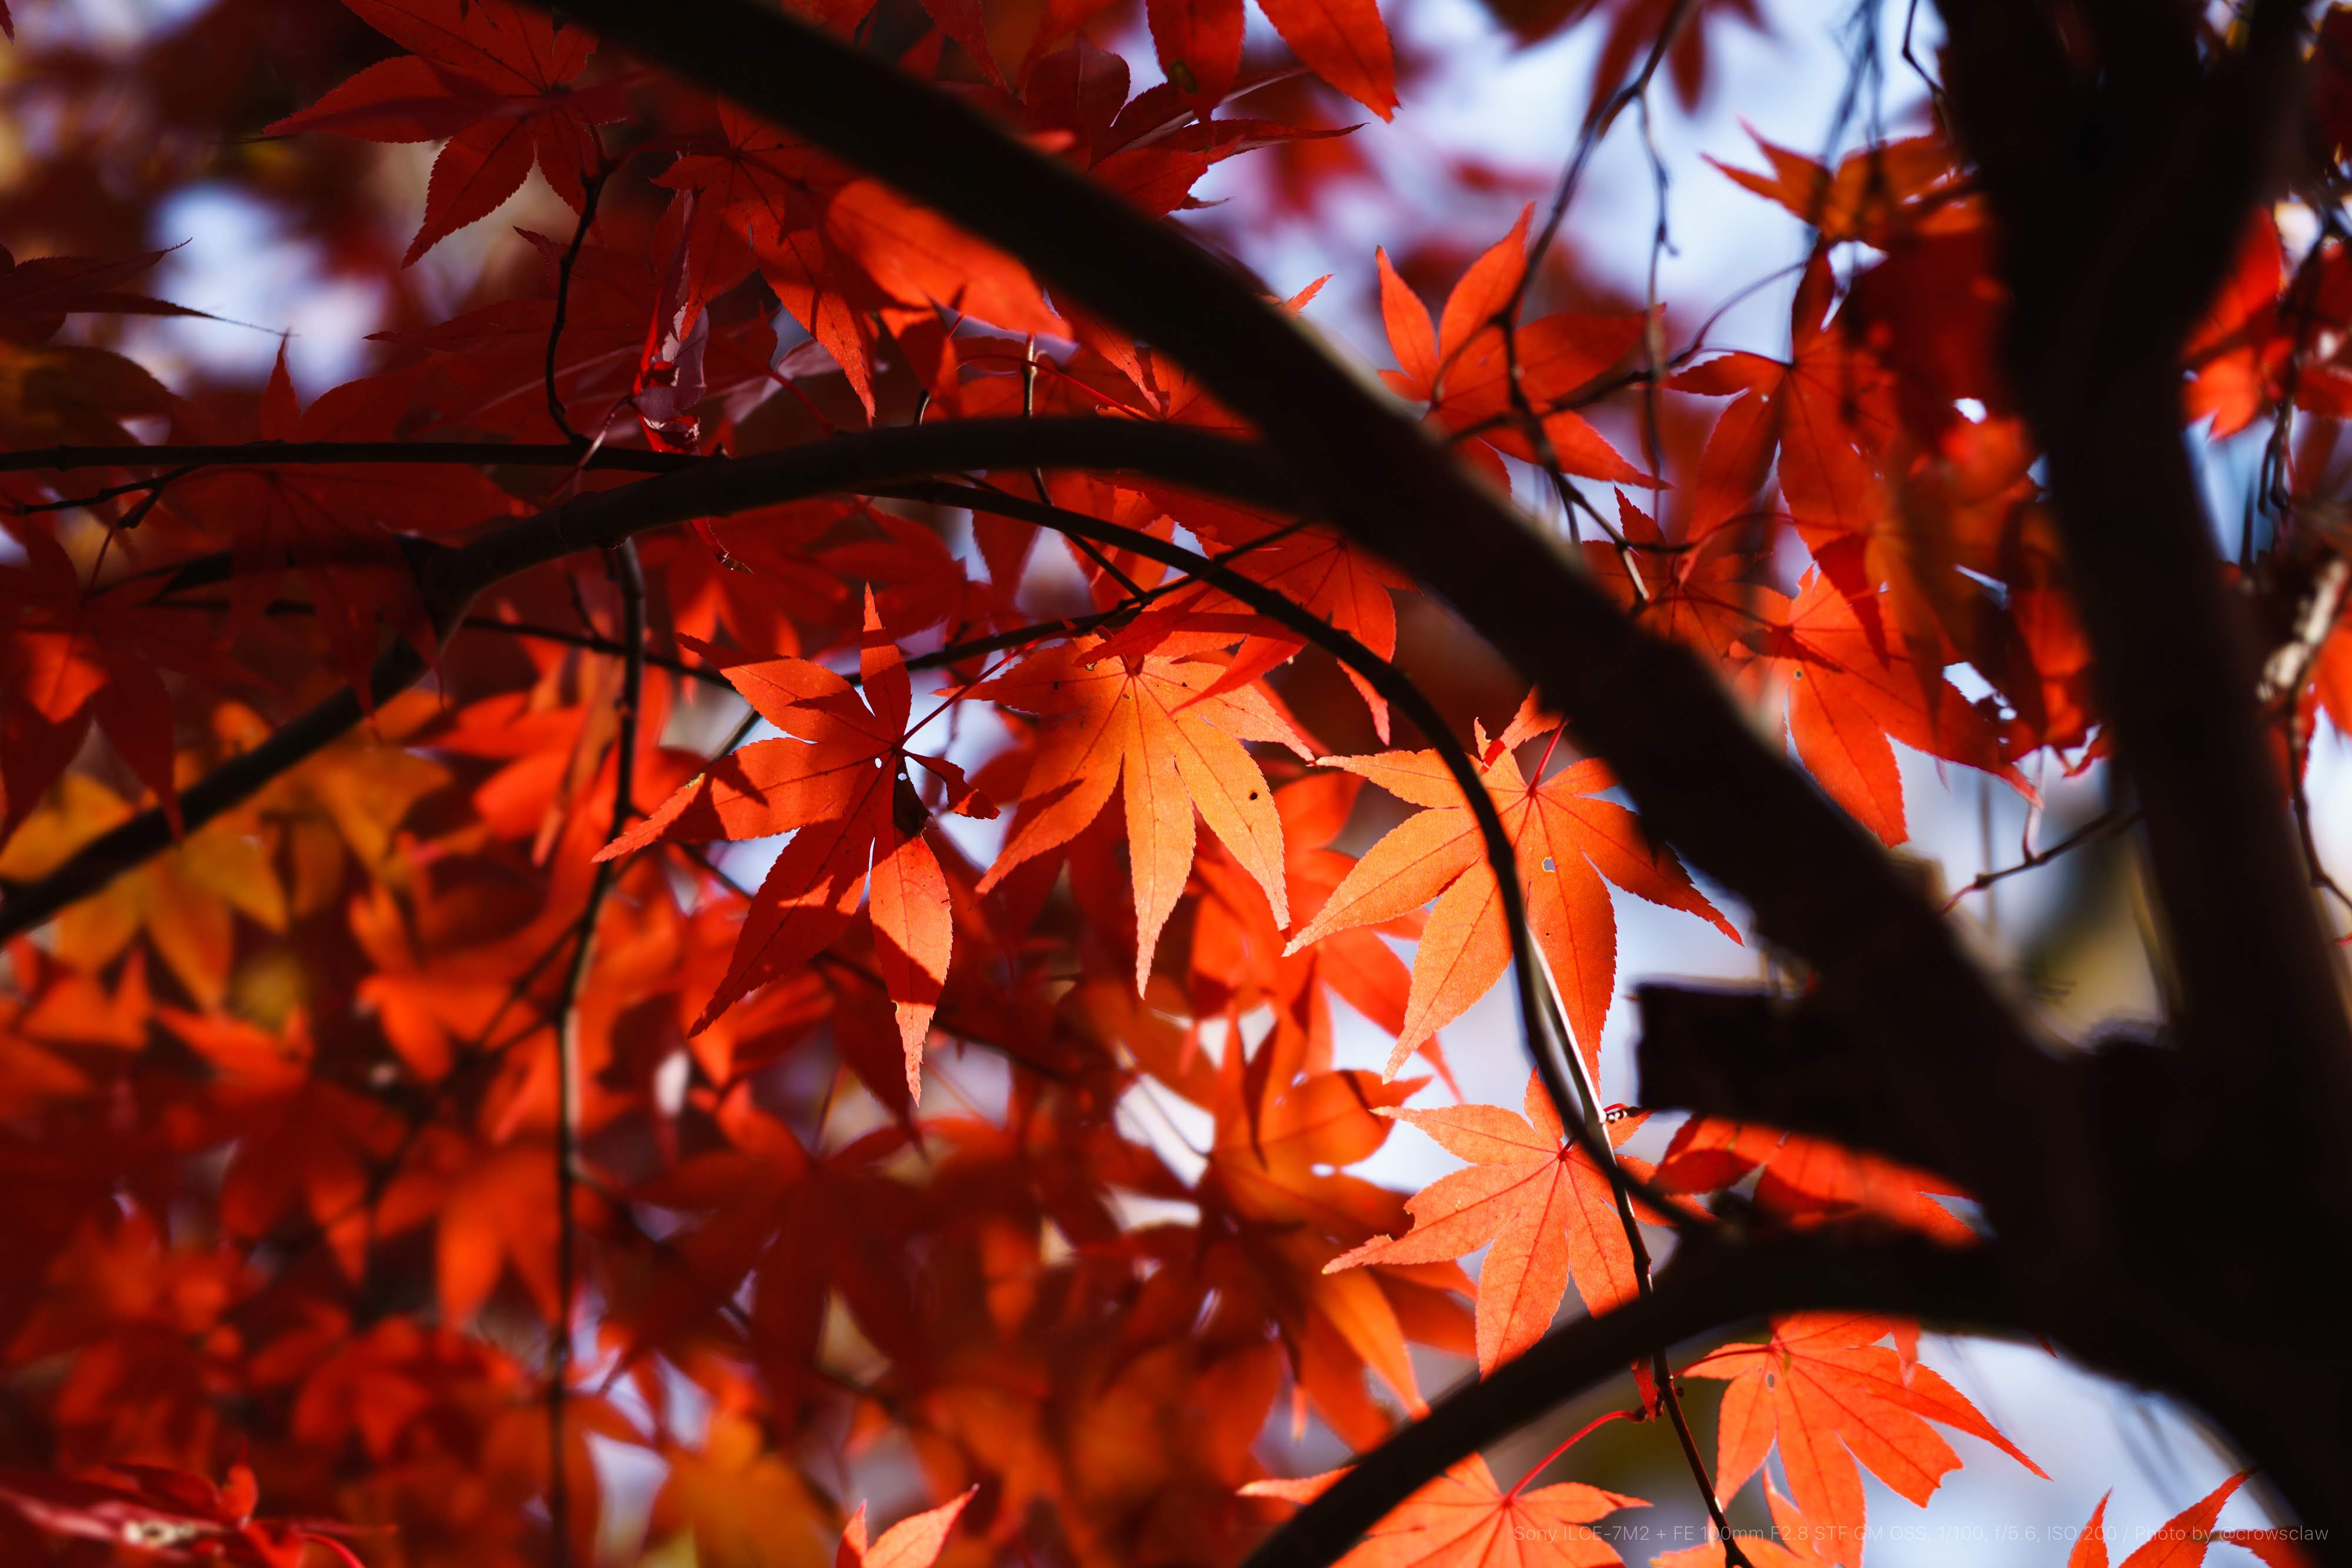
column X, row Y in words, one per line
column 303, row 1141
column 186, row 900
column 1828, row 1393
column 1150, row 718
column 69, row 657
column 1464, row 368
column 912, row 1542
column 735, row 1496
column 1236, row 952
column 2239, row 354
column 337, row 526
column 1824, row 410
column 915, row 257
column 1706, row 597
column 493, row 78
column 1276, row 1165
column 1904, row 187
column 1848, row 695
column 843, row 784
column 2184, row 1537
column 1549, row 1209
column 501, row 1209
column 1277, row 1205
column 1463, row 1520
column 1566, row 842
column 1318, row 569
column 1807, row 1179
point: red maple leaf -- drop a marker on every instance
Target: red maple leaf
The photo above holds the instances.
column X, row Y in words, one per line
column 1827, row 1393
column 169, row 1514
column 1150, row 720
column 337, row 526
column 1550, row 1212
column 1463, row 1520
column 493, row 78
column 841, row 786
column 1566, row 842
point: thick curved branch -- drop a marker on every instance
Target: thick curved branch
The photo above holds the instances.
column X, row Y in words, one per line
column 858, row 461
column 2125, row 198
column 588, row 642
column 1819, row 885
column 317, row 454
column 1708, row 1285
column 1756, row 1056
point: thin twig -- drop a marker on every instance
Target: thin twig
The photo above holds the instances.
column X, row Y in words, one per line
column 1653, row 322
column 148, row 489
column 1573, row 1438
column 1092, row 551
column 1596, row 128
column 1660, row 1372
column 591, row 188
column 630, row 580
column 1910, row 58
column 2284, row 676
column 1587, row 142
column 2097, row 828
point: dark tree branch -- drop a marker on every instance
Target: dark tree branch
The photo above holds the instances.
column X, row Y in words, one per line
column 2120, row 218
column 1819, row 885
column 1709, row 1285
column 314, row 454
column 1747, row 1055
column 529, row 629
column 24, row 905
column 453, row 578
column 1949, row 1061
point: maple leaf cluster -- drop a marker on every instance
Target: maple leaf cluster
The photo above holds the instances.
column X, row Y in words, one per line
column 737, row 993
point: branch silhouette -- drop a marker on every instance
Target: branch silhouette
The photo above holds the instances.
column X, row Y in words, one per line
column 453, row 578
column 1819, row 885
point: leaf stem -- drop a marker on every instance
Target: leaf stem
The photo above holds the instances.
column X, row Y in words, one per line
column 1578, row 1437
column 591, row 188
